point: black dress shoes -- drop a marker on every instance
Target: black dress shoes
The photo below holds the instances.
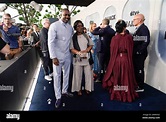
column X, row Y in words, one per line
column 67, row 94
column 57, row 103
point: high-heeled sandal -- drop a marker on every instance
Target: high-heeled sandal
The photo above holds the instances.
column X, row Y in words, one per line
column 88, row 92
column 79, row 93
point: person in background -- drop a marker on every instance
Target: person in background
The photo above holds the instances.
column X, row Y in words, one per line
column 46, row 61
column 119, row 78
column 5, row 50
column 141, row 41
column 29, row 36
column 105, row 33
column 80, row 46
column 95, row 38
column 59, row 37
column 85, row 30
column 11, row 35
column 35, row 35
column 4, row 30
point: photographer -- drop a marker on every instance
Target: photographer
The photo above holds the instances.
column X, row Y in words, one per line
column 11, row 34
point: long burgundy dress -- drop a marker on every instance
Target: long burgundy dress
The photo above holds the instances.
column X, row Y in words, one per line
column 119, row 78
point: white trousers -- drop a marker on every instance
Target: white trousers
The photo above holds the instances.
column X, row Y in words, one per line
column 77, row 78
column 64, row 66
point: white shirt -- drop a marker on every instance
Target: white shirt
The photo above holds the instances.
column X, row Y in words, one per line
column 82, row 42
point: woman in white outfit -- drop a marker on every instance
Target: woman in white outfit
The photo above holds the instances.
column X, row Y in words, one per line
column 80, row 46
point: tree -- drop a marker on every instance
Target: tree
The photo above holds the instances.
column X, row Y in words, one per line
column 54, row 10
column 26, row 13
column 29, row 15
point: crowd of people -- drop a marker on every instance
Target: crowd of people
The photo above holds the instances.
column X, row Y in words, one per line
column 114, row 58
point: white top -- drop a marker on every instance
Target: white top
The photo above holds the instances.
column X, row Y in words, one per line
column 82, row 42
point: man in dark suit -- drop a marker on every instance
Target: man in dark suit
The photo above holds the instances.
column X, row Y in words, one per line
column 141, row 42
column 46, row 61
column 105, row 33
column 36, row 39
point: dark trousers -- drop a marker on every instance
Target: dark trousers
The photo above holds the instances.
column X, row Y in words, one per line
column 103, row 63
column 39, row 52
column 47, row 64
column 138, row 61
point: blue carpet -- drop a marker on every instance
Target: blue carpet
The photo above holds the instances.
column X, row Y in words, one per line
column 44, row 99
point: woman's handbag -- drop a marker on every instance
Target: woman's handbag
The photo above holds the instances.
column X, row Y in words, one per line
column 91, row 58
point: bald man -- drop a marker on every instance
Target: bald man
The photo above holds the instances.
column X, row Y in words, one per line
column 141, row 41
column 59, row 37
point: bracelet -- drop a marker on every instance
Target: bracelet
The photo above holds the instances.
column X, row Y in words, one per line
column 78, row 53
column 87, row 50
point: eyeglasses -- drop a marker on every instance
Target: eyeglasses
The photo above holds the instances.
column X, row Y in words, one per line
column 7, row 18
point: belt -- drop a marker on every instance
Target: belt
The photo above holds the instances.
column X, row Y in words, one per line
column 121, row 54
column 83, row 57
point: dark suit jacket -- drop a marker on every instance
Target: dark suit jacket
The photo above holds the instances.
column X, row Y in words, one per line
column 105, row 36
column 44, row 39
column 141, row 40
column 35, row 38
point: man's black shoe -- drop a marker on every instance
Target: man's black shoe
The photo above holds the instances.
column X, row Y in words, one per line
column 67, row 94
column 57, row 103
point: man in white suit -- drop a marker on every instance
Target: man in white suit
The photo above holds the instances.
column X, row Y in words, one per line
column 59, row 37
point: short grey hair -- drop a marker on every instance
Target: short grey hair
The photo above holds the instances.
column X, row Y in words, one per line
column 45, row 20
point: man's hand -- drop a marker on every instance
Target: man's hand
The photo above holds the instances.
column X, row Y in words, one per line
column 55, row 61
column 37, row 44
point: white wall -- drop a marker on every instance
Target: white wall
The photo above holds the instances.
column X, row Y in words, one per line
column 99, row 6
column 155, row 65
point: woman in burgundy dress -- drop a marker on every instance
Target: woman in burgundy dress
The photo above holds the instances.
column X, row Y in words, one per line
column 119, row 78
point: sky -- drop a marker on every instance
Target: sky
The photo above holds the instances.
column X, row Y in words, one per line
column 10, row 11
column 14, row 12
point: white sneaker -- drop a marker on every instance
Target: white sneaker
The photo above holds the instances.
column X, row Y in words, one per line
column 47, row 77
column 97, row 80
column 139, row 90
column 51, row 75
